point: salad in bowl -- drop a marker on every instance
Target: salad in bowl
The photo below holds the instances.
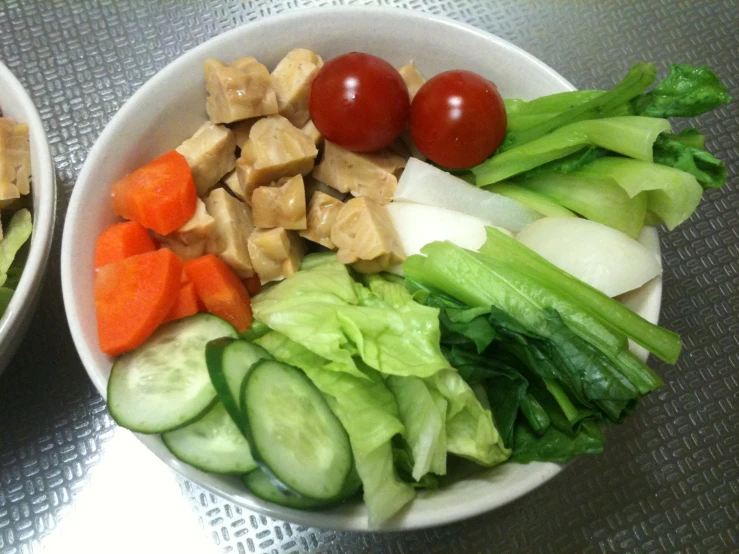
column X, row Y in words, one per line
column 359, row 279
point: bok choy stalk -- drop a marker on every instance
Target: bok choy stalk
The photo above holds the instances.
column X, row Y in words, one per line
column 628, row 135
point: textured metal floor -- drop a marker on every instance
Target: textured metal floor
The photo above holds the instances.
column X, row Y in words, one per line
column 70, row 481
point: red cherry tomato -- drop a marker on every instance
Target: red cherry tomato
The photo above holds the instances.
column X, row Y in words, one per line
column 458, row 119
column 359, row 101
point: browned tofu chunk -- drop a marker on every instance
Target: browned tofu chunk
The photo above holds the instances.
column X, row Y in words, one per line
column 322, row 212
column 312, row 131
column 280, row 206
column 275, row 149
column 365, row 236
column 210, row 153
column 239, row 90
column 291, row 80
column 15, row 160
column 313, row 185
column 276, row 253
column 241, row 130
column 233, row 226
column 374, row 174
column 189, row 241
column 412, row 77
column 232, row 183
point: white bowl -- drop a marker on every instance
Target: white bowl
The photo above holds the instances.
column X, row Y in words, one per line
column 169, row 107
column 15, row 103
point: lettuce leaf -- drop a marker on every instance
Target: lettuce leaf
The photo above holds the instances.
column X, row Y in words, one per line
column 324, row 310
column 686, row 92
column 16, row 234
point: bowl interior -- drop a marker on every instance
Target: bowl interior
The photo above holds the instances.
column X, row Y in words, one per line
column 17, row 104
column 168, row 108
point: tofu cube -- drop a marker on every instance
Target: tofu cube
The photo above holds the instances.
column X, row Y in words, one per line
column 232, row 183
column 15, row 160
column 312, row 131
column 280, row 206
column 373, row 174
column 276, row 253
column 275, row 149
column 366, row 237
column 210, row 153
column 291, row 80
column 239, row 90
column 233, row 226
column 412, row 77
column 241, row 130
column 322, row 212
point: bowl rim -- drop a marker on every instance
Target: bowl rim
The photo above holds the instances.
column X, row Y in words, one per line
column 324, row 519
column 43, row 187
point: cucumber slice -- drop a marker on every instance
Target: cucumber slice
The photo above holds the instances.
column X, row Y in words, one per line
column 260, row 484
column 164, row 383
column 294, row 433
column 213, row 443
column 229, row 361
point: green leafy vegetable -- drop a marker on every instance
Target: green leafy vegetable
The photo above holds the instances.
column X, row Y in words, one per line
column 670, row 194
column 629, row 135
column 596, row 197
column 327, row 312
column 554, row 445
column 685, row 152
column 636, row 81
column 531, row 199
column 688, row 91
column 17, row 233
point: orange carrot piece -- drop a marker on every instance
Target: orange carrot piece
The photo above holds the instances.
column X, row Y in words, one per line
column 253, row 285
column 161, row 195
column 132, row 298
column 186, row 303
column 120, row 241
column 220, row 290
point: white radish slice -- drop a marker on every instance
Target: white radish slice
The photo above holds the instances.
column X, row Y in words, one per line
column 423, row 183
column 606, row 259
column 418, row 225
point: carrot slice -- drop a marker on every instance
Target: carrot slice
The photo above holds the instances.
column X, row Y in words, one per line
column 161, row 195
column 221, row 291
column 185, row 304
column 253, row 285
column 120, row 241
column 132, row 298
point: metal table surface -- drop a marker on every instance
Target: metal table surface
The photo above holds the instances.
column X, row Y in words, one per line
column 70, row 481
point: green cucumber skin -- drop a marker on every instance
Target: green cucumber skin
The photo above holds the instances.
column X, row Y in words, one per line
column 121, row 410
column 264, row 466
column 215, row 354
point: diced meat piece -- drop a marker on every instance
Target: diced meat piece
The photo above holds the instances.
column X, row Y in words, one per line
column 365, row 236
column 280, row 206
column 412, row 77
column 233, row 222
column 15, row 160
column 291, row 80
column 322, row 212
column 241, row 130
column 232, row 183
column 237, row 91
column 312, row 131
column 276, row 253
column 210, row 153
column 374, row 174
column 276, row 148
column 313, row 185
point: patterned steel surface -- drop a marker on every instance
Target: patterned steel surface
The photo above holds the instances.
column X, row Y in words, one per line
column 70, row 481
